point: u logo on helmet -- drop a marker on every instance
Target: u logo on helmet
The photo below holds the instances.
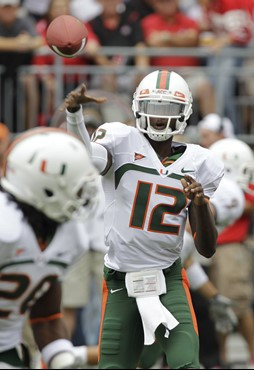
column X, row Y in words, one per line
column 44, row 165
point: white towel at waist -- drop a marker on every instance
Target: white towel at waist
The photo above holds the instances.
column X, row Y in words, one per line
column 153, row 313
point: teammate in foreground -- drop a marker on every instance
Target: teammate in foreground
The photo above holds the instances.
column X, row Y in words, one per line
column 151, row 185
column 48, row 181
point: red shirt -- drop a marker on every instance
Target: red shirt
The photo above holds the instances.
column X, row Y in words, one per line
column 155, row 23
column 238, row 232
column 233, row 17
column 49, row 59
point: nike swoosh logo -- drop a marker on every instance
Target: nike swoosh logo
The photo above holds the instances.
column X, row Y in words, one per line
column 114, row 291
column 187, row 171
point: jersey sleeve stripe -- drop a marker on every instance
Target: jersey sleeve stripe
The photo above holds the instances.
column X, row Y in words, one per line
column 40, row 320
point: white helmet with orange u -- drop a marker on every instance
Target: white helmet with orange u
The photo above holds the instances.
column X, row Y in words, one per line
column 162, row 95
column 50, row 170
column 238, row 159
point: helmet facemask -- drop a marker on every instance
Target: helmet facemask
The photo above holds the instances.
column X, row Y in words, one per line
column 247, row 177
column 153, row 112
column 85, row 200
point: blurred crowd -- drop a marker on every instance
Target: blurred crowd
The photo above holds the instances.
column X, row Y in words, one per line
column 215, row 24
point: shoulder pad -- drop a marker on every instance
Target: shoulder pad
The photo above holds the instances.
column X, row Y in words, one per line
column 10, row 220
column 116, row 128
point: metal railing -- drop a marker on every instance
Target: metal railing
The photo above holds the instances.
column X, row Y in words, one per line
column 62, row 73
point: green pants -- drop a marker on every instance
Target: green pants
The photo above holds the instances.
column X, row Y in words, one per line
column 11, row 358
column 150, row 356
column 122, row 337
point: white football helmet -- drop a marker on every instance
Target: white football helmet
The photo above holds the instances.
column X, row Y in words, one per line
column 162, row 94
column 50, row 170
column 238, row 160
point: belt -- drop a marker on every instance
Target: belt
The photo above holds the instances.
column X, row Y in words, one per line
column 118, row 275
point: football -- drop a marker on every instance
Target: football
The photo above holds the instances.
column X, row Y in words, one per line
column 67, row 36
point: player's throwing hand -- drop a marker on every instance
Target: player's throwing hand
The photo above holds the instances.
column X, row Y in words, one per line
column 77, row 97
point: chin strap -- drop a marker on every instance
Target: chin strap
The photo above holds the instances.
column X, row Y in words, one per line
column 182, row 118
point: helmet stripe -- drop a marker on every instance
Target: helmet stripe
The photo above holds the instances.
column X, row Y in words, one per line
column 163, row 80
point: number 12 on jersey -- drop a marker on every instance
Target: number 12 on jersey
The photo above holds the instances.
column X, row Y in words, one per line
column 156, row 222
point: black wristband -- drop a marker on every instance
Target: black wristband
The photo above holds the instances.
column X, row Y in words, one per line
column 74, row 109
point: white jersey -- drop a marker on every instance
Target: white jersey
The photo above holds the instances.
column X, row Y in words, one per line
column 95, row 226
column 26, row 272
column 146, row 208
column 229, row 202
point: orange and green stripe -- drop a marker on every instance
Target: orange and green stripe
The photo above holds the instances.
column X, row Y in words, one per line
column 188, row 296
column 163, row 80
column 105, row 292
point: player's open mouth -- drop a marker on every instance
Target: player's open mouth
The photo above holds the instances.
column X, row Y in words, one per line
column 159, row 126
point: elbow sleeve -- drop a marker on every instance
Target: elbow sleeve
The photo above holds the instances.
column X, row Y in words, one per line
column 101, row 158
column 76, row 125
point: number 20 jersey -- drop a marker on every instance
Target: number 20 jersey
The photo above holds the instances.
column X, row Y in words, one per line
column 146, row 208
column 26, row 272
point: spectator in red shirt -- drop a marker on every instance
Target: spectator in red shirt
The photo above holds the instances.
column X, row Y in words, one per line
column 229, row 20
column 169, row 27
column 230, row 23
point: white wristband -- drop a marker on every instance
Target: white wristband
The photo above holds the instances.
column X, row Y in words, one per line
column 76, row 118
column 81, row 355
column 197, row 276
column 55, row 348
column 76, row 125
column 64, row 360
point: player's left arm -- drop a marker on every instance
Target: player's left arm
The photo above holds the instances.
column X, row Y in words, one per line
column 48, row 327
column 201, row 218
column 51, row 335
column 46, row 317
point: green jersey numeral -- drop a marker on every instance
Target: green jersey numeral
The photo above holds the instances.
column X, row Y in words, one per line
column 156, row 220
column 99, row 134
